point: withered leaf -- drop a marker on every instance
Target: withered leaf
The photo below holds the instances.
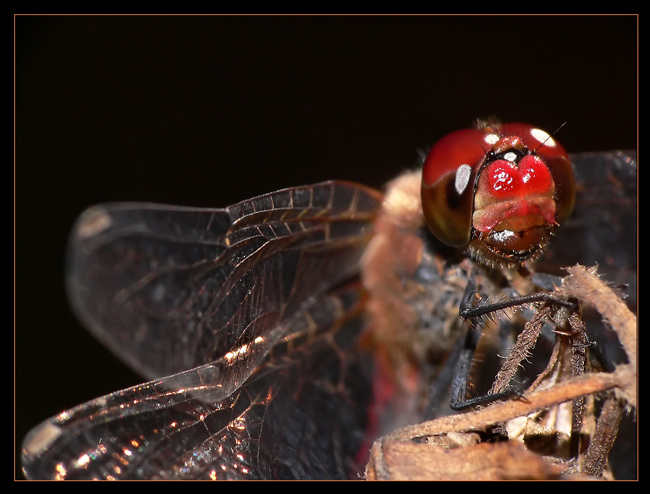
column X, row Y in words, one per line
column 403, row 460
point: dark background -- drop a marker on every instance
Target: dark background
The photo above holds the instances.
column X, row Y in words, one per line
column 207, row 111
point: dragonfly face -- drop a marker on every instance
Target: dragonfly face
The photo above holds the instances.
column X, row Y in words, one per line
column 499, row 189
column 257, row 315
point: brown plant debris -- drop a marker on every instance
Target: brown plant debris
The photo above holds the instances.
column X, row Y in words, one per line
column 538, row 443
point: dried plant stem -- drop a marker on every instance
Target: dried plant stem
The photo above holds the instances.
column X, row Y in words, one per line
column 620, row 387
column 521, row 350
column 584, row 284
column 603, row 439
column 537, row 400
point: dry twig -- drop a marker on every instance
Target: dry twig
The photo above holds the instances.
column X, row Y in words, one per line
column 450, row 447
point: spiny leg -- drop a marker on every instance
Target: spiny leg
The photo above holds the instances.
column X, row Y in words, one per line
column 472, row 312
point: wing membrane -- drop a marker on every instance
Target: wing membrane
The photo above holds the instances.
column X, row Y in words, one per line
column 201, row 424
column 171, row 288
column 245, row 297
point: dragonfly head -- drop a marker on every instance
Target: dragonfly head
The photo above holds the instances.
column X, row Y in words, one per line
column 499, row 191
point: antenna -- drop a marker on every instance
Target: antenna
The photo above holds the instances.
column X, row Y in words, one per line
column 549, row 136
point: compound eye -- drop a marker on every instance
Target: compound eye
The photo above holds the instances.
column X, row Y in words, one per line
column 499, row 190
column 556, row 160
column 448, row 181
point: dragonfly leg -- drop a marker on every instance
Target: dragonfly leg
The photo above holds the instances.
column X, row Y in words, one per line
column 468, row 310
column 471, row 312
column 459, row 400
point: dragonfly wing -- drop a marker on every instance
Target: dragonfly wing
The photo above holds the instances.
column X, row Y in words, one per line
column 171, row 288
column 300, row 415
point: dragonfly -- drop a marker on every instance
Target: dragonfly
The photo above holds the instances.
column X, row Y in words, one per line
column 280, row 335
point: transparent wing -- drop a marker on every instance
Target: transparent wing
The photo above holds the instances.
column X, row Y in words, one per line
column 244, row 295
column 239, row 295
column 300, row 415
column 171, row 288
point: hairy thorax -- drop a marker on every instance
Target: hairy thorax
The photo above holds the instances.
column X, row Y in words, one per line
column 415, row 286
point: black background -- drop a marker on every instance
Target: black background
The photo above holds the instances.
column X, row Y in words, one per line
column 210, row 110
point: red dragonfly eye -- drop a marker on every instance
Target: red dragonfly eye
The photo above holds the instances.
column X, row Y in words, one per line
column 500, row 191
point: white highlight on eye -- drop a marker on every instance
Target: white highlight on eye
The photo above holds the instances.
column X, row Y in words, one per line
column 491, row 138
column 542, row 137
column 463, row 174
